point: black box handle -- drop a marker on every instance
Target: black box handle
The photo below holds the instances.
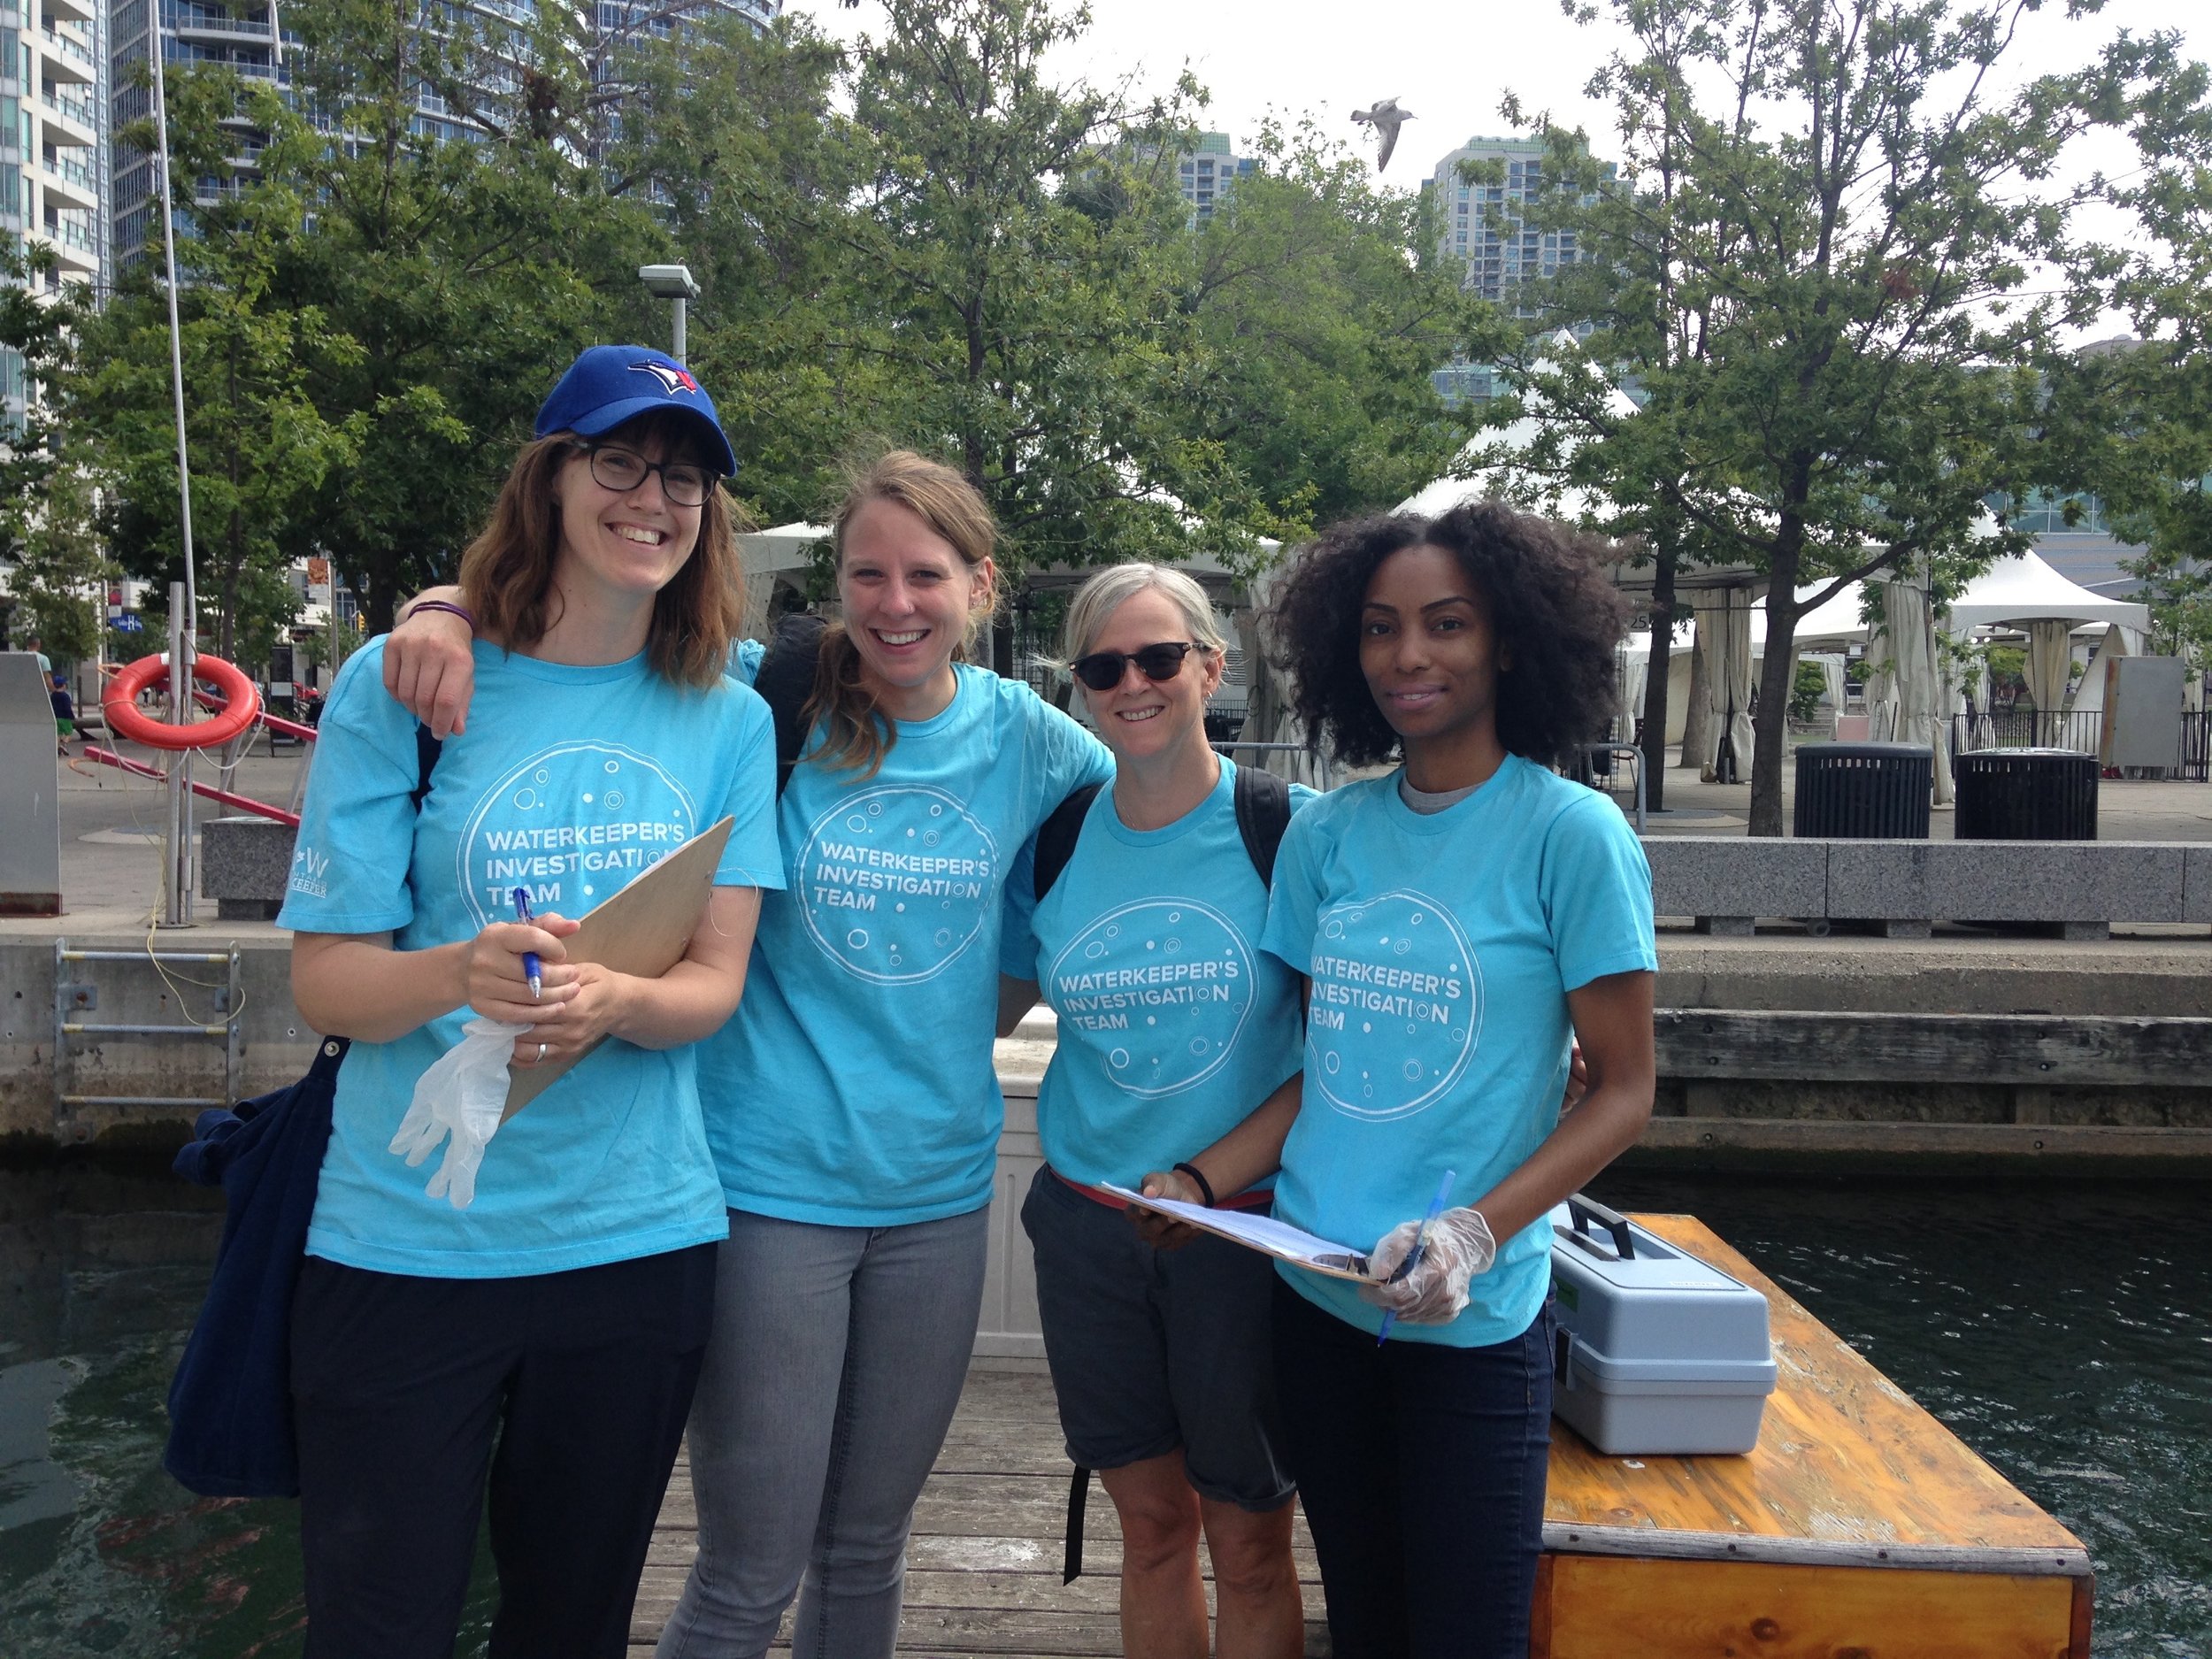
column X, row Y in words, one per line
column 1585, row 1211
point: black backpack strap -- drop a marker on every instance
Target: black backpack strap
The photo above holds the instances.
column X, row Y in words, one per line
column 785, row 680
column 1071, row 1554
column 1262, row 804
column 1056, row 836
column 426, row 751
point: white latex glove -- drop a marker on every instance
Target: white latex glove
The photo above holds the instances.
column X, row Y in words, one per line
column 463, row 1095
column 1459, row 1247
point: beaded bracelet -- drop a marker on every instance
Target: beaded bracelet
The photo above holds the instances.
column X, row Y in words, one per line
column 461, row 611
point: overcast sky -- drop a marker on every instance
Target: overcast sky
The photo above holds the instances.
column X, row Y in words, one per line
column 1448, row 61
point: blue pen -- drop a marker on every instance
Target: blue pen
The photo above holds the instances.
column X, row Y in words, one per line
column 1420, row 1245
column 533, row 969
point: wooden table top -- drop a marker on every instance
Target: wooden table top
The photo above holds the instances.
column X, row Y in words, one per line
column 1849, row 1471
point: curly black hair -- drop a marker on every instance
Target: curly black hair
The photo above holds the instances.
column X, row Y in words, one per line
column 1554, row 610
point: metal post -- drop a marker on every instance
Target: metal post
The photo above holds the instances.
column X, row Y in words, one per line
column 177, row 912
column 681, row 304
column 176, row 335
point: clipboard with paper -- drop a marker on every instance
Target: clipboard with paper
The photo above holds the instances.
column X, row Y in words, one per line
column 643, row 930
column 1263, row 1233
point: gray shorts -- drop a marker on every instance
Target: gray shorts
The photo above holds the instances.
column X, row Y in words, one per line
column 1155, row 1349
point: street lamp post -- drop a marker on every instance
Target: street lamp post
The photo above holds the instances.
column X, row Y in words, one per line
column 674, row 284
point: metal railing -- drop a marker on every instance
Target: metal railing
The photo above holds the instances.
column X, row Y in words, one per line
column 2082, row 732
column 2027, row 728
column 75, row 52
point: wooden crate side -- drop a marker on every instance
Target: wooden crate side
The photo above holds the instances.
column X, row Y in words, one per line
column 1696, row 1609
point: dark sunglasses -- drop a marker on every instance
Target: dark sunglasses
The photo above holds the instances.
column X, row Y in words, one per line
column 1102, row 671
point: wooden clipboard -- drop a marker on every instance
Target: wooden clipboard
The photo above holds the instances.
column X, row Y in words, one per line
column 643, row 930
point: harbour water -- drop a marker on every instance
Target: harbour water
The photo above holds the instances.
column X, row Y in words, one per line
column 2060, row 1329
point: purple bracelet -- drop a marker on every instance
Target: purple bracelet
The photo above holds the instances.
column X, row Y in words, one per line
column 441, row 605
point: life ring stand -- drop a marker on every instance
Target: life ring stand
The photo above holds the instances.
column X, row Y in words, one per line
column 119, row 704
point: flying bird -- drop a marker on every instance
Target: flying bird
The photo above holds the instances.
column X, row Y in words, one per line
column 1385, row 118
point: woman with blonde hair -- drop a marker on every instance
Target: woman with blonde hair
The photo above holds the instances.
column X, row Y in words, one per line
column 1178, row 1050
column 532, row 1316
column 851, row 1104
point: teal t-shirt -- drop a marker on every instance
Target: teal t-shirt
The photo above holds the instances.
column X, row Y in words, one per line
column 569, row 781
column 853, row 1088
column 1440, row 950
column 1174, row 1024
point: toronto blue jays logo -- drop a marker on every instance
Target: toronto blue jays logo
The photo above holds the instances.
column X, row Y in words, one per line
column 672, row 379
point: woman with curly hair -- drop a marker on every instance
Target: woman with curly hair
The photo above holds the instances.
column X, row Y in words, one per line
column 1460, row 923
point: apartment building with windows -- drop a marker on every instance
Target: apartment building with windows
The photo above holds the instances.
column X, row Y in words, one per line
column 1206, row 173
column 1481, row 227
column 49, row 147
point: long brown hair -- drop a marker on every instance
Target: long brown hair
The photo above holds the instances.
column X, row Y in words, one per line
column 854, row 738
column 507, row 572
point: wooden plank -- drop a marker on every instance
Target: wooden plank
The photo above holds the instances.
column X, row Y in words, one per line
column 1860, row 1047
column 2131, row 1143
column 1699, row 1609
column 1847, row 1470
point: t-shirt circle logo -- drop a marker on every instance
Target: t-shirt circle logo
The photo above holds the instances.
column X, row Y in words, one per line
column 572, row 824
column 1160, row 990
column 894, row 883
column 1396, row 1009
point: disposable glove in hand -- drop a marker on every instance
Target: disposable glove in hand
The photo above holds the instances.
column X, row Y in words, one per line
column 1459, row 1247
column 462, row 1095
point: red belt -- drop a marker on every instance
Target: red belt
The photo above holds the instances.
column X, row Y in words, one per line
column 1251, row 1198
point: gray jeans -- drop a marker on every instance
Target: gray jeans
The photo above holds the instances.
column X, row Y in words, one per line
column 836, row 1361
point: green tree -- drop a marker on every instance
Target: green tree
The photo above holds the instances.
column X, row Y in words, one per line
column 259, row 448
column 1017, row 298
column 755, row 176
column 1850, row 299
column 60, row 575
column 2130, row 421
column 1324, row 307
column 464, row 276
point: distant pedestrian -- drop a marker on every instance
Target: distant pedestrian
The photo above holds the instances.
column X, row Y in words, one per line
column 65, row 711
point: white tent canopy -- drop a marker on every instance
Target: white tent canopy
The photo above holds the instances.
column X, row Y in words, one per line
column 2023, row 588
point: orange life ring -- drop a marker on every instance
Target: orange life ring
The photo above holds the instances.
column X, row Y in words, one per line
column 118, row 704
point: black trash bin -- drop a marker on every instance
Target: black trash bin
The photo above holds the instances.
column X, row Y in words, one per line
column 1864, row 791
column 2026, row 795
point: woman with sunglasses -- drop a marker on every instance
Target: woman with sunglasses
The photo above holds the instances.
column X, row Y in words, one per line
column 851, row 1105
column 1458, row 922
column 533, row 1315
column 1175, row 1031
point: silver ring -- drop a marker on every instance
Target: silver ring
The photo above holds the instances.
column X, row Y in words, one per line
column 541, row 1054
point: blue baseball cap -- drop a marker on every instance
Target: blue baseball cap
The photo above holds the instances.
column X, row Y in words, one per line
column 609, row 384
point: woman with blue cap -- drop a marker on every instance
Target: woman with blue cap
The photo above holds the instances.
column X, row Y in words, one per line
column 535, row 1318
column 851, row 1103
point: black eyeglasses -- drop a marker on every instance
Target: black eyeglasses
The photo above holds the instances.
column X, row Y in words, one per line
column 1102, row 671
column 622, row 470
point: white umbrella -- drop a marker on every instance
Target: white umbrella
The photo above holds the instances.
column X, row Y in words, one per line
column 1724, row 684
column 1915, row 685
column 2050, row 655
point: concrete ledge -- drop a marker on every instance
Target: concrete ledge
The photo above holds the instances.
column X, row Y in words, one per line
column 245, row 863
column 1708, row 876
column 2079, row 888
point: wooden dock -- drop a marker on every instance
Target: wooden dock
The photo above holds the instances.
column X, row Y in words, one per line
column 1859, row 1526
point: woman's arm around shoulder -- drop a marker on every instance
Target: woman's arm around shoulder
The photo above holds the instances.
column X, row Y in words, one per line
column 429, row 667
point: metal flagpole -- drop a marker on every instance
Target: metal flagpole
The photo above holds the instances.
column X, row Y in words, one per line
column 184, row 625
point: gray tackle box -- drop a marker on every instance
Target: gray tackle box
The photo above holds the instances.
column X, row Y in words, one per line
column 1657, row 1352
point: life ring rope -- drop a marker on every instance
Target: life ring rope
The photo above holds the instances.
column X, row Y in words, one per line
column 119, row 704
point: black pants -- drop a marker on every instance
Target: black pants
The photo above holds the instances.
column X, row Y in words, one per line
column 402, row 1387
column 1421, row 1468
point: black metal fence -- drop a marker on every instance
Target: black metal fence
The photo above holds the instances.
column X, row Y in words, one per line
column 2082, row 732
